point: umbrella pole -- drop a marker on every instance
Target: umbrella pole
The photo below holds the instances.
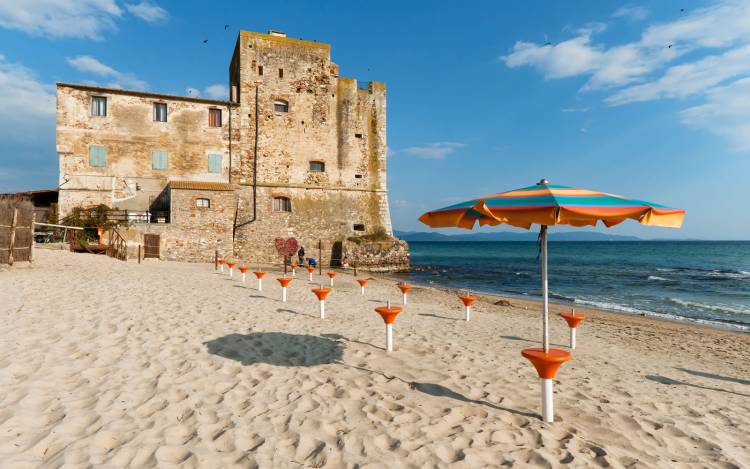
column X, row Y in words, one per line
column 545, row 299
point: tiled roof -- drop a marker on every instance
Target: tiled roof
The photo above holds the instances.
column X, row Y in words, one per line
column 201, row 185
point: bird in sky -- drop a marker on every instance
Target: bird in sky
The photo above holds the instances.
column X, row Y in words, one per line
column 205, row 41
column 226, row 26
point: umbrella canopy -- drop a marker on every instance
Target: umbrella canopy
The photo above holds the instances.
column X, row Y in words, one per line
column 547, row 204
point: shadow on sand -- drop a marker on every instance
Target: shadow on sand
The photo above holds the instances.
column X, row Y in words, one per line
column 439, row 317
column 674, row 382
column 704, row 374
column 276, row 348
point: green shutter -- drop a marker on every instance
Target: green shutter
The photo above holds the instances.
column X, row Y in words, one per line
column 159, row 159
column 97, row 156
column 214, row 163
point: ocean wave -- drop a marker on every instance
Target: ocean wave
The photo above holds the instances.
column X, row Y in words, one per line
column 655, row 277
column 720, row 308
column 736, row 325
column 558, row 296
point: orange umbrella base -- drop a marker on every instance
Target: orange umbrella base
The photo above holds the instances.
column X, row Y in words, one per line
column 284, row 281
column 404, row 287
column 573, row 320
column 311, row 269
column 362, row 282
column 388, row 314
column 260, row 274
column 321, row 293
column 546, row 364
column 231, row 264
column 243, row 269
column 331, row 274
column 220, row 261
column 467, row 300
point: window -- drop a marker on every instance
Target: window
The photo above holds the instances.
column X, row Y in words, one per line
column 214, row 163
column 260, row 69
column 98, row 106
column 282, row 204
column 203, row 203
column 160, row 112
column 159, row 160
column 357, row 176
column 317, row 166
column 359, row 227
column 214, row 117
column 281, row 73
column 97, row 156
column 280, row 106
column 358, row 135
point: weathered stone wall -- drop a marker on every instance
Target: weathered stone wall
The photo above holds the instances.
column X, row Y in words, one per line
column 195, row 232
column 129, row 133
column 378, row 256
column 331, row 120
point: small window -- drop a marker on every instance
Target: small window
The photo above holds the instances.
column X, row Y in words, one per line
column 358, row 135
column 214, row 163
column 260, row 69
column 214, row 117
column 317, row 166
column 97, row 156
column 203, row 203
column 281, row 73
column 357, row 176
column 280, row 106
column 98, row 106
column 359, row 227
column 159, row 160
column 160, row 112
column 282, row 204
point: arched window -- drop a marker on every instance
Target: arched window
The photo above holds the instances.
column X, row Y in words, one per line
column 282, row 204
column 280, row 106
column 203, row 203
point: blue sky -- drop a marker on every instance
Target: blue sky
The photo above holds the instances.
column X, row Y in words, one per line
column 482, row 97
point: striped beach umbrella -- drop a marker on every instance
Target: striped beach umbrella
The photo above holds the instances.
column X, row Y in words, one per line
column 546, row 204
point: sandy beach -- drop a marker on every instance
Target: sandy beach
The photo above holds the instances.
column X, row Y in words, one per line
column 106, row 363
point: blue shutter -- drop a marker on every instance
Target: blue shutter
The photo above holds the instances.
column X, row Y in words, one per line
column 214, row 163
column 159, row 159
column 97, row 156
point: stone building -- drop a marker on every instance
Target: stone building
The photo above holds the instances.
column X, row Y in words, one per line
column 297, row 151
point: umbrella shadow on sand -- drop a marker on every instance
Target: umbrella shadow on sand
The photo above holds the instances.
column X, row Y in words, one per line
column 276, row 348
column 674, row 382
column 704, row 374
column 438, row 390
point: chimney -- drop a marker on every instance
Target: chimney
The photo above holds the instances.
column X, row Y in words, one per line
column 272, row 32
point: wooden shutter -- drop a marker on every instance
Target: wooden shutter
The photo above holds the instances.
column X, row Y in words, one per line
column 159, row 159
column 214, row 163
column 97, row 156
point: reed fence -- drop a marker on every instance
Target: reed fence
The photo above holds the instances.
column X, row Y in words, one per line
column 16, row 230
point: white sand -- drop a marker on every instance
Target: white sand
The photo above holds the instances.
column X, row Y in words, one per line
column 113, row 364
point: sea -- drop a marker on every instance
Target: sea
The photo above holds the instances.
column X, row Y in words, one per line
column 706, row 282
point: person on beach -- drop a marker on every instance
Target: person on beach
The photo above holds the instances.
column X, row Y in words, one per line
column 345, row 263
column 301, row 255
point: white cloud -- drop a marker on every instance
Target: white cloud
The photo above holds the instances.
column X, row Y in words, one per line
column 698, row 54
column 88, row 64
column 636, row 13
column 26, row 101
column 725, row 113
column 217, row 91
column 689, row 78
column 67, row 18
column 28, row 130
column 434, row 151
column 147, row 11
column 569, row 58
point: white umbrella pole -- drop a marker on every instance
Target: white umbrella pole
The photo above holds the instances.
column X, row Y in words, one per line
column 545, row 299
